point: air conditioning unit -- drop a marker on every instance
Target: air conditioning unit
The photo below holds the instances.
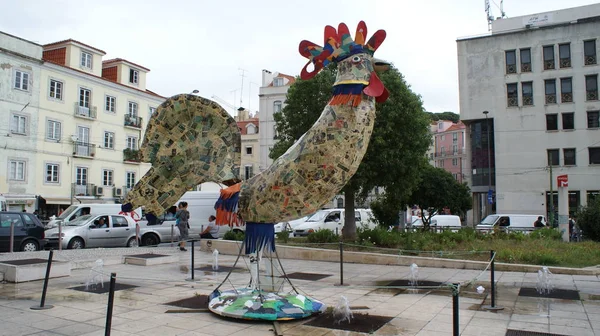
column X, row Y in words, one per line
column 118, row 192
column 98, row 191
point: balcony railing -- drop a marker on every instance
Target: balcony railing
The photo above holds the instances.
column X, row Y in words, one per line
column 84, row 149
column 525, row 67
column 133, row 121
column 566, row 97
column 82, row 189
column 132, row 155
column 591, row 95
column 460, row 151
column 483, row 179
column 85, row 112
column 589, row 60
column 511, row 68
column 565, row 62
column 512, row 101
column 527, row 100
column 549, row 65
column 551, row 98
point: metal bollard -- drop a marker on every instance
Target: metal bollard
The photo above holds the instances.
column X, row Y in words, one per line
column 60, row 238
column 111, row 299
column 455, row 310
column 45, row 288
column 341, row 265
column 172, row 233
column 192, row 265
column 492, row 284
column 12, row 237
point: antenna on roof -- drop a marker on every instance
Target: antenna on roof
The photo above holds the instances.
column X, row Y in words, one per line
column 488, row 12
column 242, row 90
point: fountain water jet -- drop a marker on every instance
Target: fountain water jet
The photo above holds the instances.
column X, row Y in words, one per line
column 95, row 276
column 341, row 312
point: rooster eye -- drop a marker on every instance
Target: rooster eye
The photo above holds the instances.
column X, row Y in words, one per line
column 356, row 59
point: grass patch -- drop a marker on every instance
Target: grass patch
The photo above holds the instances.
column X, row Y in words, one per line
column 541, row 247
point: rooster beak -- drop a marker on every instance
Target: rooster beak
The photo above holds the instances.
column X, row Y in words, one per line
column 380, row 65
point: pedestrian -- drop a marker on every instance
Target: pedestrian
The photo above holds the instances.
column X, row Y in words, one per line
column 212, row 230
column 183, row 216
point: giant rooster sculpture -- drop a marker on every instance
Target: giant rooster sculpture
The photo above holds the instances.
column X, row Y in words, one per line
column 192, row 140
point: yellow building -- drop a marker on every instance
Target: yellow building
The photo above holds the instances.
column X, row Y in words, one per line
column 91, row 118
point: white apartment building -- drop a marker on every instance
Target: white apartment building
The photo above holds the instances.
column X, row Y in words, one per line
column 90, row 117
column 537, row 77
column 250, row 131
column 272, row 95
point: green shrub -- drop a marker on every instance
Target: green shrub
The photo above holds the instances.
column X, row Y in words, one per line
column 283, row 236
column 322, row 236
column 546, row 233
column 231, row 235
column 588, row 220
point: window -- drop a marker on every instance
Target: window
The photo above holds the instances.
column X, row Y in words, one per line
column 441, row 163
column 131, row 143
column 589, row 52
column 592, row 195
column 151, row 111
column 277, row 81
column 86, row 60
column 442, row 137
column 512, row 94
column 53, row 130
column 564, row 54
column 6, row 219
column 16, row 170
column 593, row 119
column 107, row 178
column 21, row 80
column 569, row 156
column 81, row 176
column 548, row 57
column 525, row 60
column 511, row 61
column 443, row 150
column 455, row 137
column 550, row 87
column 527, row 88
column 454, row 149
column 134, row 76
column 340, row 203
column 275, row 135
column 132, row 109
column 568, row 121
column 591, row 87
column 551, row 122
column 566, row 90
column 129, row 180
column 109, row 140
column 18, row 124
column 277, row 106
column 248, row 172
column 110, row 104
column 250, row 129
column 455, row 162
column 249, row 150
column 52, row 173
column 119, row 221
column 455, row 175
column 84, row 97
column 56, row 90
column 594, row 153
column 553, row 157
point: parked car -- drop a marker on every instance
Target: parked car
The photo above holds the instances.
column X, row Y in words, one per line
column 512, row 222
column 440, row 221
column 290, row 225
column 76, row 210
column 333, row 219
column 106, row 230
column 28, row 232
column 160, row 232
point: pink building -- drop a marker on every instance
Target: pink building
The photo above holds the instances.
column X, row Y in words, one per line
column 449, row 144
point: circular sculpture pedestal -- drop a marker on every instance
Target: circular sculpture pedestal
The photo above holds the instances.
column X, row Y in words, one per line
column 251, row 304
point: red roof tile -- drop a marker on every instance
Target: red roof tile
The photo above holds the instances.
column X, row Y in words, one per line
column 291, row 79
column 242, row 125
column 53, row 44
column 119, row 60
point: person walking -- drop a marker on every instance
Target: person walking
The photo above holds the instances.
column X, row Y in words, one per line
column 183, row 217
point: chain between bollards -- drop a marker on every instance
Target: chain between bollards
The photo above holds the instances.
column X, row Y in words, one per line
column 111, row 299
column 492, row 306
column 455, row 310
column 45, row 288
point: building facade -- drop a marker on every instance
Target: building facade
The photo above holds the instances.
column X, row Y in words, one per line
column 90, row 118
column 449, row 141
column 250, row 131
column 529, row 99
column 272, row 95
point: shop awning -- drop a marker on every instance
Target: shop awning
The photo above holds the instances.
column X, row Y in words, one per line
column 57, row 200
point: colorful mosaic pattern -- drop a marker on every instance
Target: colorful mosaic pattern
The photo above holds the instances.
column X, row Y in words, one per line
column 188, row 141
column 248, row 304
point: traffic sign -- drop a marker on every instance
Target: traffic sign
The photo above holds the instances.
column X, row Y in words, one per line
column 490, row 196
column 562, row 181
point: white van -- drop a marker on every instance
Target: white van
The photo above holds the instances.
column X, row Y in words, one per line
column 333, row 219
column 441, row 221
column 513, row 222
column 77, row 210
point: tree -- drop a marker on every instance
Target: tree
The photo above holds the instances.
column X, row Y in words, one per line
column 438, row 189
column 398, row 144
column 444, row 116
column 588, row 220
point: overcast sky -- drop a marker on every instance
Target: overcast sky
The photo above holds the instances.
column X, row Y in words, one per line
column 202, row 44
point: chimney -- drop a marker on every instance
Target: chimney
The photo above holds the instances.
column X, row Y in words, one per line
column 267, row 77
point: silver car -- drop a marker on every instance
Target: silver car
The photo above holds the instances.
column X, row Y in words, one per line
column 95, row 231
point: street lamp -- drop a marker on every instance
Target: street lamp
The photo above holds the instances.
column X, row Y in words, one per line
column 489, row 152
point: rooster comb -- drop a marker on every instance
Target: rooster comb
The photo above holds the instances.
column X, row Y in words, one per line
column 338, row 45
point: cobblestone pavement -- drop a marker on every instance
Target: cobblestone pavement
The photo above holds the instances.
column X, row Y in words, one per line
column 142, row 310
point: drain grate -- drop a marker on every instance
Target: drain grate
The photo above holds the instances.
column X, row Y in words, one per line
column 208, row 268
column 147, row 255
column 102, row 288
column 563, row 294
column 362, row 323
column 512, row 332
column 22, row 262
column 194, row 302
column 306, row 276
